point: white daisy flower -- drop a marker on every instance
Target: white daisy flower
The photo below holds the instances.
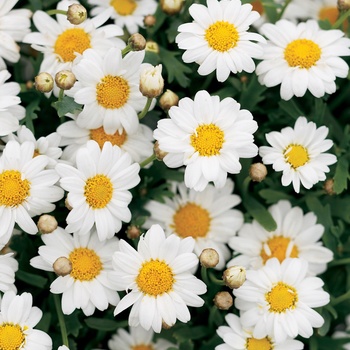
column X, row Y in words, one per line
column 90, row 261
column 218, row 39
column 17, row 319
column 299, row 153
column 26, row 188
column 208, row 136
column 302, row 57
column 15, row 24
column 296, row 236
column 108, row 87
column 237, row 337
column 137, row 339
column 158, row 276
column 98, row 189
column 8, row 267
column 277, row 300
column 206, row 216
column 60, row 41
column 139, row 144
column 126, row 13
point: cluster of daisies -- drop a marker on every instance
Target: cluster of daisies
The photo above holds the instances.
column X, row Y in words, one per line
column 90, row 166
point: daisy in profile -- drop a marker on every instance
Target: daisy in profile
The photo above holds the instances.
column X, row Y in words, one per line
column 26, row 188
column 8, row 268
column 208, row 136
column 302, row 57
column 137, row 339
column 128, row 14
column 206, row 216
column 159, row 279
column 17, row 321
column 237, row 337
column 15, row 24
column 108, row 87
column 296, row 236
column 82, row 263
column 278, row 300
column 98, row 189
column 218, row 38
column 299, row 153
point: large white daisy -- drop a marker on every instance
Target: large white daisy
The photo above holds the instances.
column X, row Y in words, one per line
column 206, row 216
column 90, row 262
column 302, row 57
column 159, row 279
column 299, row 153
column 98, row 189
column 296, row 236
column 278, row 300
column 218, row 40
column 208, row 136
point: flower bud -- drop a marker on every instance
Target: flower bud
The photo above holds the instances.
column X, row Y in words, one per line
column 62, row 266
column 65, row 79
column 167, row 100
column 137, row 42
column 43, row 82
column 257, row 172
column 329, row 187
column 76, row 14
column 47, row 223
column 171, row 7
column 158, row 152
column 223, row 300
column 152, row 46
column 133, row 232
column 234, row 276
column 343, row 5
column 149, row 21
column 151, row 81
column 209, row 258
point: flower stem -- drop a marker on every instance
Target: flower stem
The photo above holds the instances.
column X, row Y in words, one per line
column 126, row 50
column 56, row 12
column 284, row 9
column 341, row 19
column 341, row 298
column 344, row 261
column 61, row 320
column 217, row 281
column 148, row 160
column 60, row 95
column 146, row 108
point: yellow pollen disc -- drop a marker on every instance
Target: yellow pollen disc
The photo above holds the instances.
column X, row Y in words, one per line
column 191, row 220
column 222, row 36
column 329, row 12
column 112, row 92
column 259, row 344
column 257, row 6
column 208, row 140
column 278, row 246
column 124, row 7
column 86, row 264
column 101, row 137
column 70, row 41
column 11, row 337
column 281, row 297
column 13, row 190
column 302, row 53
column 296, row 155
column 155, row 278
column 98, row 191
column 142, row 347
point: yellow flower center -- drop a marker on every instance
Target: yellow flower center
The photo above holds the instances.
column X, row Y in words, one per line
column 302, row 53
column 207, row 140
column 124, row 7
column 329, row 12
column 112, row 92
column 101, row 137
column 296, row 155
column 281, row 297
column 259, row 344
column 70, row 41
column 86, row 264
column 11, row 337
column 155, row 278
column 191, row 220
column 98, row 191
column 142, row 347
column 13, row 190
column 278, row 246
column 222, row 36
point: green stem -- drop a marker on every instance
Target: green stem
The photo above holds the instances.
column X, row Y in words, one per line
column 341, row 19
column 60, row 95
column 283, row 9
column 56, row 12
column 215, row 280
column 61, row 320
column 146, row 108
column 126, row 50
column 344, row 261
column 204, row 275
column 341, row 298
column 313, row 344
column 150, row 159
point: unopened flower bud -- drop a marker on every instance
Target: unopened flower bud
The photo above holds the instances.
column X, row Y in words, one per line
column 171, row 7
column 158, row 152
column 234, row 276
column 209, row 258
column 329, row 187
column 152, row 46
column 65, row 79
column 137, row 42
column 76, row 14
column 44, row 82
column 149, row 21
column 47, row 223
column 62, row 266
column 257, row 172
column 223, row 300
column 168, row 99
column 343, row 5
column 151, row 81
column 133, row 232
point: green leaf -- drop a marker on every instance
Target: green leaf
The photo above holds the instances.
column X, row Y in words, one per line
column 31, row 114
column 45, row 322
column 341, row 175
column 32, row 279
column 73, row 324
column 186, row 333
column 270, row 8
column 103, row 324
column 323, row 212
column 215, row 317
column 327, row 323
column 187, row 345
column 291, row 108
column 252, row 94
column 66, row 105
column 273, row 196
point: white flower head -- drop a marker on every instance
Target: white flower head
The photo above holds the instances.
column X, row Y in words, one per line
column 299, row 153
column 218, row 38
column 208, row 136
column 151, row 81
column 159, row 278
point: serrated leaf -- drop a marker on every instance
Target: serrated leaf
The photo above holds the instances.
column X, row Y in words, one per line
column 31, row 279
column 252, row 94
column 341, row 175
column 186, row 333
column 291, row 108
column 66, row 105
column 73, row 324
column 103, row 324
column 273, row 196
column 31, row 114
